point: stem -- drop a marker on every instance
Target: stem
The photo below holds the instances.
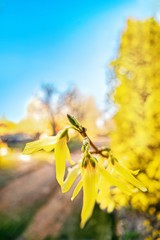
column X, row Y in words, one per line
column 79, row 128
column 97, row 151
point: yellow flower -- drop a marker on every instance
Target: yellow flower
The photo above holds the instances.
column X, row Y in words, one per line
column 92, row 173
column 90, row 178
column 89, row 181
column 127, row 174
column 61, row 151
column 112, row 180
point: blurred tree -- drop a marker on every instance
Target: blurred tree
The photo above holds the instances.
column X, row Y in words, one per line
column 136, row 138
column 71, row 101
column 82, row 107
column 49, row 90
column 51, row 107
column 41, row 107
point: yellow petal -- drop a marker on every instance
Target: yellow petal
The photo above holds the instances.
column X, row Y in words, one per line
column 77, row 189
column 90, row 178
column 135, row 172
column 66, row 149
column 103, row 194
column 49, row 148
column 126, row 173
column 61, row 154
column 112, row 180
column 60, row 159
column 71, row 177
column 62, row 136
column 48, row 142
column 104, row 188
column 111, row 207
column 67, row 152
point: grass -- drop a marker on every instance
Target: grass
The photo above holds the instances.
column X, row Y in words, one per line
column 130, row 235
column 13, row 224
column 99, row 227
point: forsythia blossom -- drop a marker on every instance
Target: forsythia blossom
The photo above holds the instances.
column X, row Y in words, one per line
column 95, row 180
column 98, row 176
column 61, row 151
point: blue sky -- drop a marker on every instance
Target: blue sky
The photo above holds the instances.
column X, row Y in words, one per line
column 60, row 42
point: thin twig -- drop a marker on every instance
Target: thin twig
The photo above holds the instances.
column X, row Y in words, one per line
column 79, row 128
column 97, row 151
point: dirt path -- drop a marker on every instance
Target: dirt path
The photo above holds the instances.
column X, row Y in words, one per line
column 30, row 188
column 33, row 188
column 26, row 190
column 50, row 218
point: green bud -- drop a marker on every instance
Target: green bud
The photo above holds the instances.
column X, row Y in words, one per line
column 105, row 153
column 106, row 149
column 83, row 149
column 86, row 145
column 113, row 159
column 92, row 162
column 75, row 123
column 95, row 159
column 84, row 162
column 92, row 159
column 63, row 133
column 67, row 135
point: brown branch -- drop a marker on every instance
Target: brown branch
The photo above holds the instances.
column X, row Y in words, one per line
column 78, row 127
column 97, row 151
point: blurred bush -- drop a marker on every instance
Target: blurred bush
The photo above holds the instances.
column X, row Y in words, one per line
column 136, row 139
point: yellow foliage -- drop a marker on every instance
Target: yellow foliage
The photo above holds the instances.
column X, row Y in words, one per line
column 136, row 139
column 32, row 126
column 6, row 126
